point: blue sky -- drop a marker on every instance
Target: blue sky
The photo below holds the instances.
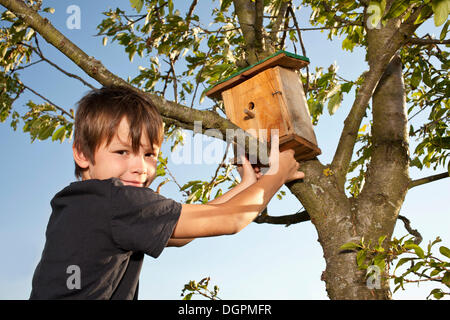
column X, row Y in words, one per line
column 261, row 262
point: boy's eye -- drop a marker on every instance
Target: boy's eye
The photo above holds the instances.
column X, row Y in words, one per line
column 122, row 152
column 150, row 155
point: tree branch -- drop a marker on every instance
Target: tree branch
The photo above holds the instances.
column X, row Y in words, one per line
column 245, row 11
column 300, row 216
column 382, row 45
column 418, row 237
column 259, row 10
column 277, row 23
column 47, row 100
column 386, row 179
column 424, row 42
column 191, row 8
column 285, row 26
column 38, row 51
column 418, row 182
column 301, row 44
column 171, row 112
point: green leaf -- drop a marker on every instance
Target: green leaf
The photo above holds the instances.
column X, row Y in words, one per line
column 435, row 272
column 137, row 4
column 417, row 266
column 437, row 293
column 416, row 77
column 59, row 134
column 381, row 240
column 348, row 44
column 424, row 14
column 379, row 261
column 45, row 132
column 446, row 279
column 441, row 11
column 418, row 250
column 445, row 251
column 444, row 31
column 335, row 102
column 361, row 257
column 188, row 296
column 350, row 246
column 397, row 9
column 225, row 4
column 401, row 262
column 50, row 10
column 346, row 87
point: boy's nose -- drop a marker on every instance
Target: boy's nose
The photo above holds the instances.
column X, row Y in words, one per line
column 139, row 165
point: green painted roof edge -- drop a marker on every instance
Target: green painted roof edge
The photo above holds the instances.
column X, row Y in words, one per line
column 289, row 54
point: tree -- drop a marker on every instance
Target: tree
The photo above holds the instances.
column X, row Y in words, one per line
column 407, row 75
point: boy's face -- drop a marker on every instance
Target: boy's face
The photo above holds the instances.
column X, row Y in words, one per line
column 117, row 160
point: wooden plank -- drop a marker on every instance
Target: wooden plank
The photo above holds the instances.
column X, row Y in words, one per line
column 304, row 150
column 294, row 99
column 257, row 92
column 277, row 92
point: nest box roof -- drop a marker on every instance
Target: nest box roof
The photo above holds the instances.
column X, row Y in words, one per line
column 279, row 58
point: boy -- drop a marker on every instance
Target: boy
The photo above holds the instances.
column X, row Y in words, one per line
column 101, row 227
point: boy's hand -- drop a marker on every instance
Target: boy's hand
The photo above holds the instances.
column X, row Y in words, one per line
column 248, row 173
column 284, row 162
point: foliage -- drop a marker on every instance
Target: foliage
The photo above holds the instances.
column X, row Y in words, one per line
column 427, row 83
column 200, row 288
column 168, row 36
column 423, row 264
column 185, row 54
column 426, row 80
column 43, row 120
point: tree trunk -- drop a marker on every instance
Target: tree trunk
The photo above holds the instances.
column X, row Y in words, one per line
column 373, row 214
column 250, row 15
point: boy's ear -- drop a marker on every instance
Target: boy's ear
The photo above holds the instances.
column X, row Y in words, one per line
column 80, row 158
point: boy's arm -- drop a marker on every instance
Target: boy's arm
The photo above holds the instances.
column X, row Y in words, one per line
column 178, row 242
column 236, row 213
column 205, row 220
column 248, row 174
column 223, row 198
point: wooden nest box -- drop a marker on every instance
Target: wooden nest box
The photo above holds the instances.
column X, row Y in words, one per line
column 269, row 95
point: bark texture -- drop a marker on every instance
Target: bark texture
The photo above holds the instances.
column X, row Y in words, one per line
column 257, row 42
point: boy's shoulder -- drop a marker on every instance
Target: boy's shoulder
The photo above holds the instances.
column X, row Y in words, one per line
column 111, row 189
column 89, row 186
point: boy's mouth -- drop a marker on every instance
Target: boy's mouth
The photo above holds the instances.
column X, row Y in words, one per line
column 133, row 183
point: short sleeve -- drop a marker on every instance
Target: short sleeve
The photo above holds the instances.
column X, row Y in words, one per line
column 142, row 220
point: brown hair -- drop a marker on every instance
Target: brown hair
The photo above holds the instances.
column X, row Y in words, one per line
column 100, row 112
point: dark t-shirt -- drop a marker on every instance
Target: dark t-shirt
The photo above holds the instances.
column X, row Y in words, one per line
column 96, row 238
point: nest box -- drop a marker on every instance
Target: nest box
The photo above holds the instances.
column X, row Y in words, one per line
column 269, row 95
